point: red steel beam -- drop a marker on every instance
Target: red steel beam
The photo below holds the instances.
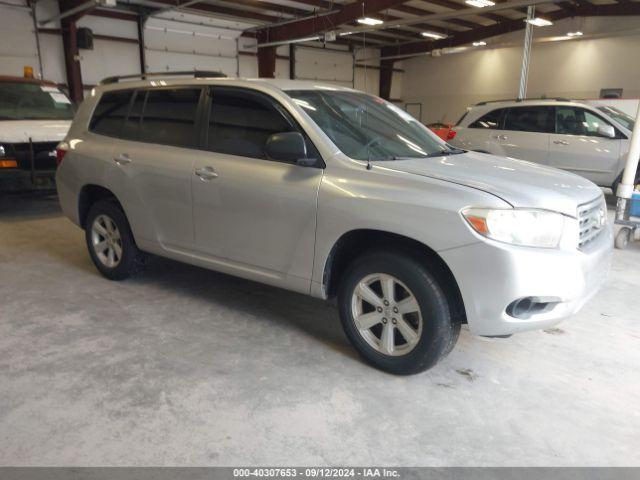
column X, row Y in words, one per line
column 313, row 26
column 70, row 47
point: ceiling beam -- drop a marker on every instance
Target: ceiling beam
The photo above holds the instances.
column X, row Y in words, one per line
column 269, row 7
column 315, row 25
column 422, row 12
column 459, row 6
column 227, row 11
column 464, row 38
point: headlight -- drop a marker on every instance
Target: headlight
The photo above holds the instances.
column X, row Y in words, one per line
column 530, row 228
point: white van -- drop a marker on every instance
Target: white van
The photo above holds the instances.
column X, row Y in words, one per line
column 34, row 117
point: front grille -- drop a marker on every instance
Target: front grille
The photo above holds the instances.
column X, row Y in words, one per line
column 44, row 157
column 592, row 218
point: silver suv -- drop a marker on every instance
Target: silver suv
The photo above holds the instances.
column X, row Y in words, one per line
column 588, row 140
column 333, row 193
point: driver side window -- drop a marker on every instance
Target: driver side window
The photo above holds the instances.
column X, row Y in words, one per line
column 241, row 121
column 577, row 121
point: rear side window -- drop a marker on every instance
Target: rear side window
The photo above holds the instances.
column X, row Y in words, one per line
column 169, row 117
column 530, row 119
column 110, row 113
column 240, row 122
column 131, row 130
column 491, row 120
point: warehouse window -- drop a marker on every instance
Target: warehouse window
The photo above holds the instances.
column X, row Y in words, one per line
column 111, row 112
column 491, row 120
column 530, row 119
column 241, row 122
column 169, row 117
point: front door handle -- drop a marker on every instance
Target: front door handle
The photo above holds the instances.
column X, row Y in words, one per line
column 561, row 142
column 206, row 173
column 500, row 137
column 122, row 159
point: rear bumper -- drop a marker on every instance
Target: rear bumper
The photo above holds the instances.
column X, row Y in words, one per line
column 492, row 275
column 15, row 179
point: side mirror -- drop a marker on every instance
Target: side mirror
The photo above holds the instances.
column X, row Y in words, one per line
column 605, row 130
column 288, row 147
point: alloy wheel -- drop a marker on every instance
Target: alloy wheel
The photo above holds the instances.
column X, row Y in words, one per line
column 386, row 314
column 106, row 241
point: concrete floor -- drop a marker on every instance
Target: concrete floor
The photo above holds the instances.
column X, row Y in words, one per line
column 182, row 366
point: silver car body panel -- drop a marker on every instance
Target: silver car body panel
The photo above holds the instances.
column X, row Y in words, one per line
column 278, row 223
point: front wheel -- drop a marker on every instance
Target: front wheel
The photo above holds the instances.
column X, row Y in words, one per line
column 395, row 313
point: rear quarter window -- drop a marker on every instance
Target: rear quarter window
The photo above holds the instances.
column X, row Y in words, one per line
column 491, row 120
column 110, row 113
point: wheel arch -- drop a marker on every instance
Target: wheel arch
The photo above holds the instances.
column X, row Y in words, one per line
column 90, row 194
column 357, row 242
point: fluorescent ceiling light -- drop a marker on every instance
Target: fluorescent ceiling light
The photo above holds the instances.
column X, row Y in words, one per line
column 481, row 43
column 539, row 22
column 480, row 3
column 435, row 36
column 370, row 21
column 574, row 34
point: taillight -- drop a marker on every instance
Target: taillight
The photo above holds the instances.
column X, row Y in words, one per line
column 61, row 151
column 451, row 134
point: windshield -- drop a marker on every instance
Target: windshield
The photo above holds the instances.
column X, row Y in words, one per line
column 364, row 127
column 32, row 101
column 619, row 116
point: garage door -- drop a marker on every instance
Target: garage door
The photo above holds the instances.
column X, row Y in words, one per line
column 324, row 65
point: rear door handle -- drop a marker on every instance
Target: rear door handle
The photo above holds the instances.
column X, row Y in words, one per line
column 206, row 173
column 122, row 159
column 561, row 142
column 500, row 137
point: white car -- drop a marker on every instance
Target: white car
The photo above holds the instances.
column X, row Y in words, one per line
column 34, row 117
column 588, row 140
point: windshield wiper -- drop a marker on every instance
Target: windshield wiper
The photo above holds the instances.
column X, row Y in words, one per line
column 444, row 153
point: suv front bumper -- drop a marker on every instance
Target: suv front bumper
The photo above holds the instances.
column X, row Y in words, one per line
column 492, row 275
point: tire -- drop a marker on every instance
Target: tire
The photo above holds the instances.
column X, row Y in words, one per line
column 623, row 237
column 427, row 313
column 107, row 224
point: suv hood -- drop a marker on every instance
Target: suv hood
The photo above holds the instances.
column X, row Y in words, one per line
column 521, row 184
column 19, row 131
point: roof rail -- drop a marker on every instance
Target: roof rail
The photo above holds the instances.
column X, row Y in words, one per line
column 144, row 76
column 557, row 99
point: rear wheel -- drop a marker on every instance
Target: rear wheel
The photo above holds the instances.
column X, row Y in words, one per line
column 395, row 313
column 110, row 241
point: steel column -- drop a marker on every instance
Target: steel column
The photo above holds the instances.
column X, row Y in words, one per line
column 72, row 58
column 386, row 76
column 625, row 189
column 142, row 19
column 267, row 62
column 526, row 53
column 292, row 61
